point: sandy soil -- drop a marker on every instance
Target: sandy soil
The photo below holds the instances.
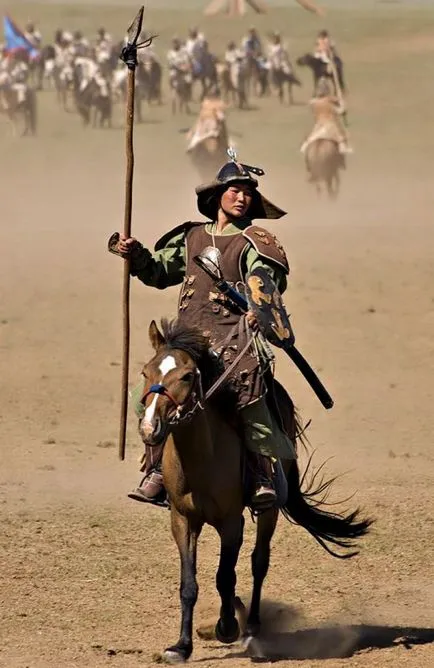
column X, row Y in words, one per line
column 88, row 577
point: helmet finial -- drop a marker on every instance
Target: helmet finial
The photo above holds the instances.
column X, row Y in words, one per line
column 232, row 153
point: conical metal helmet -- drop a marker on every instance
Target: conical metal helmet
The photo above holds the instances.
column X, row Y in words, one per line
column 208, row 195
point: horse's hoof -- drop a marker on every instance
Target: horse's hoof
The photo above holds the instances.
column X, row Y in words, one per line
column 227, row 635
column 172, row 655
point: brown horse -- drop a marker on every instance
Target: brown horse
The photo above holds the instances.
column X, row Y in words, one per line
column 203, row 470
column 323, row 163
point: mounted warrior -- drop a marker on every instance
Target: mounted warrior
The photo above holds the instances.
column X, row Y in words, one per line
column 230, row 203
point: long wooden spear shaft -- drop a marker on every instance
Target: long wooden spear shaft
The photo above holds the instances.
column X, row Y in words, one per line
column 129, row 57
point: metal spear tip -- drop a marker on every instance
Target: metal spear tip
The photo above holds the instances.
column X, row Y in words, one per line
column 135, row 28
column 129, row 52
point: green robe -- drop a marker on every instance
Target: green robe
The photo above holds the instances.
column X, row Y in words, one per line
column 166, row 267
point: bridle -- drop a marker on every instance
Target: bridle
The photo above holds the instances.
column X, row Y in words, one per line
column 195, row 397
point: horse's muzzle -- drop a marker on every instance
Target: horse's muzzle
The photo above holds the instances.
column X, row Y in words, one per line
column 153, row 435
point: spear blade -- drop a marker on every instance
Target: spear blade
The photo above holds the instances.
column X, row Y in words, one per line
column 135, row 28
column 129, row 52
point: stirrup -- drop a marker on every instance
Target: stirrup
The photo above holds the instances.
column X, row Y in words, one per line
column 160, row 500
column 263, row 499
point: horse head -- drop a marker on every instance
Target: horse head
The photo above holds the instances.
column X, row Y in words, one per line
column 306, row 60
column 172, row 378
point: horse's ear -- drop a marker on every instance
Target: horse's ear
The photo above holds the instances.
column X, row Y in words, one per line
column 155, row 336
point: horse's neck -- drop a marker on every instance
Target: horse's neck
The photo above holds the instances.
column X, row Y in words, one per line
column 204, row 446
column 194, row 442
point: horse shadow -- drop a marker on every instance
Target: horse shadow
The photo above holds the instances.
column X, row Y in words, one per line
column 325, row 642
column 335, row 642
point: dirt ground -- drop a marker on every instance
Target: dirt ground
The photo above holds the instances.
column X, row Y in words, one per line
column 90, row 578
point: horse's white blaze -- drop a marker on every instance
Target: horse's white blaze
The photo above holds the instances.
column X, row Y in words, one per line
column 148, row 422
column 150, row 411
column 168, row 364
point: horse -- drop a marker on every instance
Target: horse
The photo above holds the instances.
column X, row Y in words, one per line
column 203, row 472
column 45, row 66
column 20, row 101
column 94, row 103
column 254, row 79
column 320, row 71
column 180, row 86
column 150, row 78
column 324, row 162
column 204, row 71
column 281, row 76
column 233, row 82
column 65, row 82
column 208, row 140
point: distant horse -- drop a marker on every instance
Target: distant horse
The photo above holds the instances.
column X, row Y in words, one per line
column 282, row 77
column 203, row 472
column 65, row 82
column 150, row 76
column 19, row 102
column 45, row 66
column 320, row 71
column 180, row 86
column 233, row 82
column 324, row 162
column 204, row 71
column 209, row 139
column 253, row 75
column 95, row 105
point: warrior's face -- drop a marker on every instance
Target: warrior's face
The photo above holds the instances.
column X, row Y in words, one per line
column 236, row 200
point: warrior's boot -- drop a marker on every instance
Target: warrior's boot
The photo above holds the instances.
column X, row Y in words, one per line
column 151, row 488
column 264, row 496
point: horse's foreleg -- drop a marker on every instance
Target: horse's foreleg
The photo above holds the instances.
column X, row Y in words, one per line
column 231, row 538
column 186, row 535
column 333, row 183
column 13, row 121
column 260, row 563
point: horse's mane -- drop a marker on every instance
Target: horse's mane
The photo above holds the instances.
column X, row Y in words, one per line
column 189, row 339
column 198, row 346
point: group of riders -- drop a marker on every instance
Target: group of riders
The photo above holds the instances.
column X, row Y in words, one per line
column 90, row 69
column 327, row 103
column 70, row 62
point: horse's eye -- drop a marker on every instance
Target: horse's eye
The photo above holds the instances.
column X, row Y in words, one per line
column 187, row 377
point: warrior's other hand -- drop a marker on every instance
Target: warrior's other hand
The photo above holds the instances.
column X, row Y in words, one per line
column 126, row 244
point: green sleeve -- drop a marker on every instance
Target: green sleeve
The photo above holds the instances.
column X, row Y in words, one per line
column 253, row 260
column 163, row 268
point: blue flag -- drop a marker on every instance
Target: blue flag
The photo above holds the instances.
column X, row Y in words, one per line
column 15, row 39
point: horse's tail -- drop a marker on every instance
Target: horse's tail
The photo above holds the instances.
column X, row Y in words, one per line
column 303, row 507
column 32, row 110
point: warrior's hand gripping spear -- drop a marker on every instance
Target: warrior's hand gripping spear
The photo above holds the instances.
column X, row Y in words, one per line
column 129, row 57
